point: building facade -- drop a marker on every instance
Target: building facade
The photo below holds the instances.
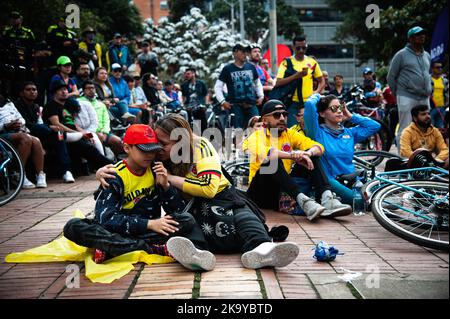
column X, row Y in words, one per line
column 154, row 9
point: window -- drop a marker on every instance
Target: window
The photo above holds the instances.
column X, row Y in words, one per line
column 164, row 5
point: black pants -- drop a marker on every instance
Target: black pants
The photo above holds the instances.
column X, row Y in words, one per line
column 84, row 149
column 265, row 189
column 88, row 233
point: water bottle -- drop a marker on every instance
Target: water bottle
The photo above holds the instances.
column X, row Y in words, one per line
column 39, row 120
column 358, row 200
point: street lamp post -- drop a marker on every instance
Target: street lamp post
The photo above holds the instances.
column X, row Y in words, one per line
column 231, row 5
column 273, row 35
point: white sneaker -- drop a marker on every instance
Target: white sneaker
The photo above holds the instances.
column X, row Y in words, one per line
column 68, row 177
column 184, row 251
column 40, row 180
column 270, row 254
column 128, row 116
column 27, row 184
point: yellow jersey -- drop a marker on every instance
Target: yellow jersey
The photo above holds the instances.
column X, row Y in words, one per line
column 438, row 92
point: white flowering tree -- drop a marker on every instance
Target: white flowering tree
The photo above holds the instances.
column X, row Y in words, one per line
column 192, row 42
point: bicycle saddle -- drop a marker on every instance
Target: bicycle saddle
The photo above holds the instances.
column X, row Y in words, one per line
column 349, row 179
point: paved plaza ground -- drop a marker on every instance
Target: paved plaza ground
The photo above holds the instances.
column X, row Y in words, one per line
column 389, row 267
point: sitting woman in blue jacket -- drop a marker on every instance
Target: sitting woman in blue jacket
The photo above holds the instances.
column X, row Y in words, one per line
column 323, row 123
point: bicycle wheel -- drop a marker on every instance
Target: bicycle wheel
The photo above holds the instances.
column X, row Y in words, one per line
column 239, row 171
column 412, row 215
column 374, row 157
column 11, row 172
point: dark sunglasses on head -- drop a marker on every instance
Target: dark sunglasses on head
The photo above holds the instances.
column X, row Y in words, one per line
column 301, row 47
column 335, row 108
column 277, row 115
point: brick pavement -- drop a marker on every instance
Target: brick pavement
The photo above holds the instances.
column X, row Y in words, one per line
column 37, row 217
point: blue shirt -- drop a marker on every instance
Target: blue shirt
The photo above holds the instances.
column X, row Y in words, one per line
column 339, row 146
column 121, row 90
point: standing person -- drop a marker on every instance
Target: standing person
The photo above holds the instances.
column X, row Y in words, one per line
column 440, row 94
column 89, row 45
column 118, row 53
column 128, row 212
column 61, row 39
column 328, row 86
column 12, row 127
column 228, row 221
column 307, row 69
column 277, row 155
column 244, row 88
column 147, row 59
column 265, row 65
column 65, row 69
column 409, row 77
column 339, row 89
column 266, row 80
column 194, row 92
column 323, row 118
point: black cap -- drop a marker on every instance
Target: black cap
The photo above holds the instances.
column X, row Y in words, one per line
column 239, row 47
column 271, row 106
column 55, row 85
column 15, row 15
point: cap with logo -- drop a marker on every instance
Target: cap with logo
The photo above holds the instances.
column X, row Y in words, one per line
column 143, row 137
column 272, row 106
column 415, row 30
column 63, row 60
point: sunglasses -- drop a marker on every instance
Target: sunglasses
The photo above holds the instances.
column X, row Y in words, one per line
column 301, row 47
column 117, row 70
column 335, row 108
column 277, row 115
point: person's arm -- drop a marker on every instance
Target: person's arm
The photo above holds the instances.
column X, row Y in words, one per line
column 406, row 144
column 365, row 127
column 93, row 124
column 54, row 120
column 321, row 84
column 259, row 90
column 108, row 211
column 394, row 69
column 218, row 91
column 311, row 117
column 75, row 92
column 441, row 147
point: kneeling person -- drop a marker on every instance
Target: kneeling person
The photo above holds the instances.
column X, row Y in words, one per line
column 128, row 212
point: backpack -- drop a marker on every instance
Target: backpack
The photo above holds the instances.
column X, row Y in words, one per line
column 286, row 92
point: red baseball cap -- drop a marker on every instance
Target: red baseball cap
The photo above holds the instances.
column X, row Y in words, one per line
column 143, row 137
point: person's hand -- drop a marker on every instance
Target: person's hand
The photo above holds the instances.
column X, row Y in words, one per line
column 303, row 159
column 226, row 105
column 107, row 103
column 259, row 101
column 67, row 43
column 347, row 114
column 161, row 175
column 13, row 126
column 54, row 128
column 116, row 100
column 105, row 172
column 94, row 57
column 163, row 225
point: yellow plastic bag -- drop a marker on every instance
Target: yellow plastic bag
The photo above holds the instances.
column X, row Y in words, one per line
column 62, row 249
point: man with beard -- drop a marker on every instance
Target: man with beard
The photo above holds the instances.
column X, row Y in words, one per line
column 273, row 151
column 83, row 72
column 264, row 76
column 421, row 134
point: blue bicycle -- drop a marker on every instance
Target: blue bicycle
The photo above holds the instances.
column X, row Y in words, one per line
column 11, row 172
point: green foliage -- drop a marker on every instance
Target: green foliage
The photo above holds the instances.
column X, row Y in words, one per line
column 396, row 18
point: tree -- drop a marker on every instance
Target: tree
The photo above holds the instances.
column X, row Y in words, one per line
column 396, row 18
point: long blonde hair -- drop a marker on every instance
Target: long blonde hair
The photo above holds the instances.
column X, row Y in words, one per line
column 167, row 124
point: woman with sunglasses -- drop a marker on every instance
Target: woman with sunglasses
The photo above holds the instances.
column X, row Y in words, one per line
column 323, row 123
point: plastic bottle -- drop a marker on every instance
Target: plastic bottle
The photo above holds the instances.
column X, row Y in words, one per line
column 358, row 200
column 39, row 120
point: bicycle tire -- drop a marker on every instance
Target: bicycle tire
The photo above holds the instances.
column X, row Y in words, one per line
column 403, row 228
column 379, row 156
column 14, row 174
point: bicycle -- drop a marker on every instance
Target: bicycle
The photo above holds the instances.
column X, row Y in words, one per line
column 12, row 172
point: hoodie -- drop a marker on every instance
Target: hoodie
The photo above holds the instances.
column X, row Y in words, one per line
column 413, row 138
column 339, row 144
column 409, row 74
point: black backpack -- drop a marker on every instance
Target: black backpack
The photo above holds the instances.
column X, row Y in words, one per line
column 286, row 92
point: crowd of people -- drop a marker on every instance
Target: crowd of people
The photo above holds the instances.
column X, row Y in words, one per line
column 70, row 108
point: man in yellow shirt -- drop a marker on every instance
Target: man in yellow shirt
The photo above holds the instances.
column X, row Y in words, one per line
column 273, row 151
column 440, row 95
column 307, row 68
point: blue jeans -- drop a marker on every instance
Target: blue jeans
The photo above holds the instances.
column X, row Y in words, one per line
column 134, row 110
column 119, row 109
column 437, row 116
column 242, row 116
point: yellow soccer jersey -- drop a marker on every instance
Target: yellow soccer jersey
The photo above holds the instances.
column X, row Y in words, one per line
column 205, row 179
column 261, row 142
column 135, row 186
column 314, row 71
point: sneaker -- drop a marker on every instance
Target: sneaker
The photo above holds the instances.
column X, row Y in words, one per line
column 68, row 177
column 99, row 256
column 311, row 208
column 270, row 254
column 128, row 116
column 40, row 180
column 184, row 251
column 27, row 184
column 333, row 207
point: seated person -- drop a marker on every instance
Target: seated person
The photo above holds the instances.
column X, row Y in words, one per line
column 138, row 100
column 12, row 128
column 323, row 120
column 422, row 134
column 128, row 212
column 271, row 163
column 103, row 120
